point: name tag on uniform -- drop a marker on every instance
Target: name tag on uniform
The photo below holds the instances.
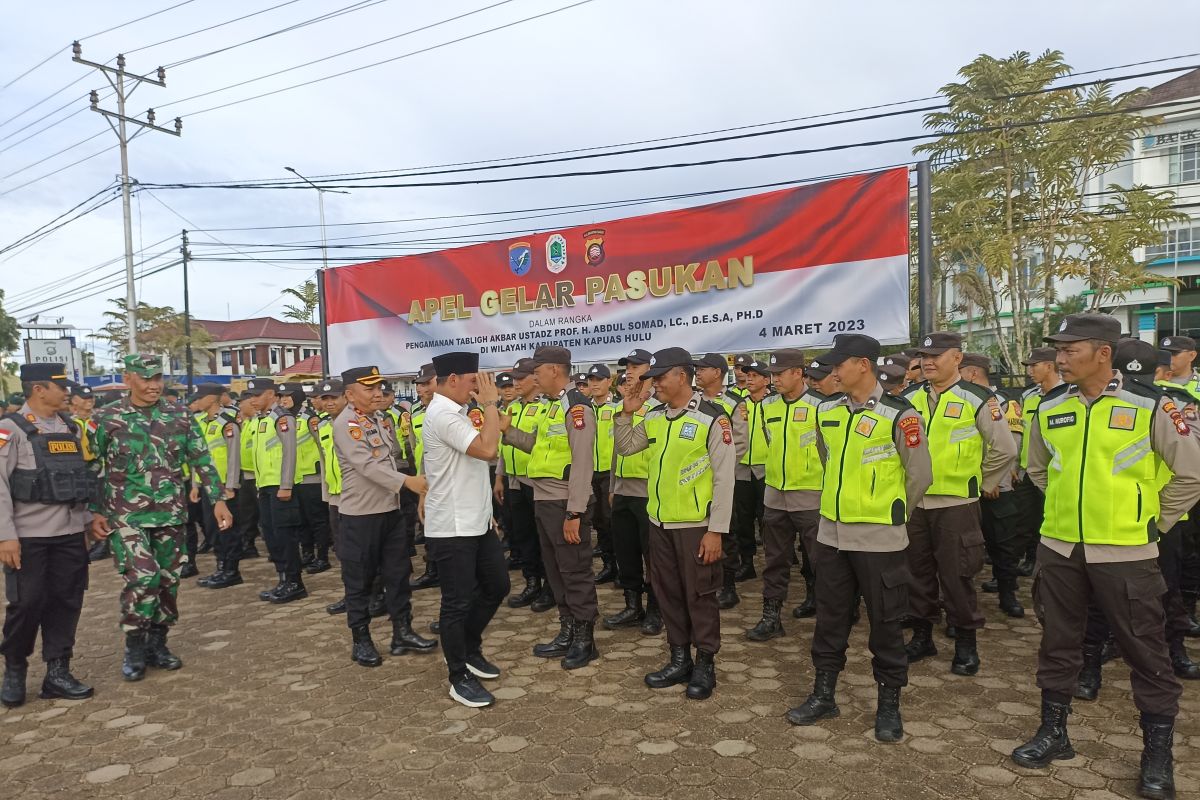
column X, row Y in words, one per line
column 953, row 410
column 829, row 423
column 262, row 427
column 62, row 447
column 865, row 426
column 800, row 414
column 1060, row 420
column 688, row 431
column 1122, row 418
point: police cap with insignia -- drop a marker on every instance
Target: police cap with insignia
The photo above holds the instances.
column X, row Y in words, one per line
column 599, row 371
column 977, row 360
column 366, row 376
column 256, row 386
column 388, row 391
column 816, row 370
column 457, row 363
column 713, row 360
column 938, row 342
column 287, row 387
column 1135, row 357
column 16, row 399
column 208, row 390
column 663, row 361
column 504, row 380
column 891, row 373
column 424, row 375
column 1177, row 344
column 1088, row 325
column 330, row 388
column 741, row 360
column 1039, row 355
column 580, row 377
column 84, row 391
column 45, row 373
column 522, row 369
column 636, row 357
column 850, row 345
column 549, row 354
column 143, row 366
column 788, row 358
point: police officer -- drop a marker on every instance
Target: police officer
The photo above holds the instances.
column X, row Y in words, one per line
column 314, row 511
column 690, row 487
column 561, row 452
column 751, row 472
column 1102, row 546
column 877, row 468
column 223, row 437
column 246, row 511
column 999, row 516
column 506, row 386
column 972, row 451
column 516, row 489
column 330, row 398
column 792, row 496
column 424, row 383
column 893, row 376
column 598, row 386
column 1182, row 376
column 44, row 489
column 1183, row 356
column 739, row 374
column 372, row 539
column 1041, row 369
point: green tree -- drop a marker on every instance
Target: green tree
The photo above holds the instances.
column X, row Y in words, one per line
column 309, row 301
column 1011, row 210
column 10, row 334
column 160, row 331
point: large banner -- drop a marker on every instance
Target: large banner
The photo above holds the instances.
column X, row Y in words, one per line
column 790, row 268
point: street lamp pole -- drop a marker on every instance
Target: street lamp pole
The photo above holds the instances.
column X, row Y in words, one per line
column 321, row 209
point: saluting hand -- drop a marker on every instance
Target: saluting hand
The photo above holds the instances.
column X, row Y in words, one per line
column 10, row 553
column 224, row 518
column 710, row 548
column 636, row 397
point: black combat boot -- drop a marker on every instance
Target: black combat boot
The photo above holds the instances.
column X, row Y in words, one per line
column 746, row 570
column 921, row 644
column 560, row 644
column 966, row 654
column 207, row 580
column 377, row 605
column 406, row 640
column 229, row 575
column 266, row 594
column 60, row 683
column 678, row 670
column 652, row 623
column 363, row 652
column 1189, row 603
column 727, row 596
column 98, row 551
column 157, row 654
column 134, row 666
column 336, row 608
column 188, row 570
column 1157, row 780
column 545, row 599
column 583, row 649
column 1051, row 742
column 820, row 704
column 293, row 589
column 630, row 615
column 1009, row 603
column 12, row 691
column 990, row 586
column 809, row 607
column 770, row 626
column 320, row 562
column 1183, row 666
column 1087, row 685
column 428, row 579
column 1025, row 568
column 533, row 587
column 888, row 725
column 307, row 556
column 608, row 570
column 704, row 677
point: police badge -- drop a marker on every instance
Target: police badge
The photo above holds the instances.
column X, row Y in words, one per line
column 593, row 247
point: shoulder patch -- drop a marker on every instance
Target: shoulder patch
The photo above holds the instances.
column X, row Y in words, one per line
column 1181, row 426
column 5, row 435
column 356, row 433
column 726, row 429
column 994, row 407
column 578, row 417
column 281, row 425
column 911, row 428
column 229, row 430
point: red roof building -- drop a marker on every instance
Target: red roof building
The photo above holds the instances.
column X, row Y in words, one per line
column 259, row 346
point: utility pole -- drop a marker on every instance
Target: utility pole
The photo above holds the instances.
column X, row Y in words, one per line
column 118, row 79
column 925, row 313
column 187, row 309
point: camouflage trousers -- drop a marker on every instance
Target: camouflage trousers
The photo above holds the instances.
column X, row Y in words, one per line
column 149, row 560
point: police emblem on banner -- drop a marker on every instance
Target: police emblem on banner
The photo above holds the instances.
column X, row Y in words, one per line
column 593, row 247
column 556, row 253
column 520, row 258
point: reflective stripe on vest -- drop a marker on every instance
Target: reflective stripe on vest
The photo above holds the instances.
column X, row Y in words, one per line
column 605, row 414
column 955, row 444
column 680, row 481
column 793, row 462
column 1103, row 477
column 551, row 456
column 756, row 448
column 246, row 442
column 864, row 476
column 524, row 417
column 1029, row 407
column 268, row 450
column 333, row 468
column 308, row 462
column 218, row 448
column 418, row 423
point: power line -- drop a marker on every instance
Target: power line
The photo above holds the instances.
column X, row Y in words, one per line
column 42, row 230
column 210, row 27
column 101, row 290
column 32, row 181
column 26, row 294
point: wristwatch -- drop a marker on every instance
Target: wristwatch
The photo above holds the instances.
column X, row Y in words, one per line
column 573, row 515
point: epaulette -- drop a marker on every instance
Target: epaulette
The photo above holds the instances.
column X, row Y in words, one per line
column 1057, row 391
column 983, row 393
column 1134, row 386
column 898, row 402
column 1030, row 392
column 228, row 414
column 574, row 397
column 712, row 409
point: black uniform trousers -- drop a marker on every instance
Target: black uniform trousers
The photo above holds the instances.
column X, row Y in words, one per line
column 314, row 515
column 568, row 566
column 1001, row 521
column 602, row 515
column 474, row 581
column 227, row 545
column 1190, row 578
column 945, row 553
column 779, row 531
column 281, row 523
column 747, row 509
column 334, row 529
column 523, row 540
column 245, row 515
column 374, row 545
column 1129, row 594
column 1031, row 504
column 685, row 588
column 45, row 594
column 631, row 542
column 195, row 521
column 500, row 511
column 409, row 518
column 882, row 579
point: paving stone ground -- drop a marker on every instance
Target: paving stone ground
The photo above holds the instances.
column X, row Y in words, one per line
column 269, row 705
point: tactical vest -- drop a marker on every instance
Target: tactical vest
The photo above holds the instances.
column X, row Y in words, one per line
column 333, row 468
column 864, row 476
column 680, row 481
column 1191, row 386
column 268, row 449
column 1029, row 407
column 401, row 440
column 756, row 448
column 793, row 462
column 60, row 474
column 551, row 456
column 308, row 462
column 246, row 442
column 637, row 465
column 417, row 419
column 218, row 448
column 1102, row 479
column 523, row 416
column 955, row 444
column 603, row 452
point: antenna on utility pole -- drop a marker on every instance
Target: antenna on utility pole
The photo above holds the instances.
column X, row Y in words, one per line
column 118, row 78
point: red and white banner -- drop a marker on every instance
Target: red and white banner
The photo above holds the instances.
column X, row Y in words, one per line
column 790, row 268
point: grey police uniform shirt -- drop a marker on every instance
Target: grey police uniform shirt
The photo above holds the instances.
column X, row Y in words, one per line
column 631, row 439
column 371, row 483
column 999, row 450
column 794, row 499
column 20, row 520
column 1181, row 453
column 577, row 489
column 877, row 537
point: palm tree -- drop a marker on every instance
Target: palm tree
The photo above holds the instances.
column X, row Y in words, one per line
column 304, row 312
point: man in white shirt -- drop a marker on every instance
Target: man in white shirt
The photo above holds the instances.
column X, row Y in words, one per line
column 458, row 511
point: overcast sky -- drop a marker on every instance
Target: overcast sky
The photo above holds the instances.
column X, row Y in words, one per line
column 605, row 72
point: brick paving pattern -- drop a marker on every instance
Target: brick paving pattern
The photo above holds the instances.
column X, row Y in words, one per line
column 269, row 705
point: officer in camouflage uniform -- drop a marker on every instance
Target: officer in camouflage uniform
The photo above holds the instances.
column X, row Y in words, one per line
column 142, row 444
